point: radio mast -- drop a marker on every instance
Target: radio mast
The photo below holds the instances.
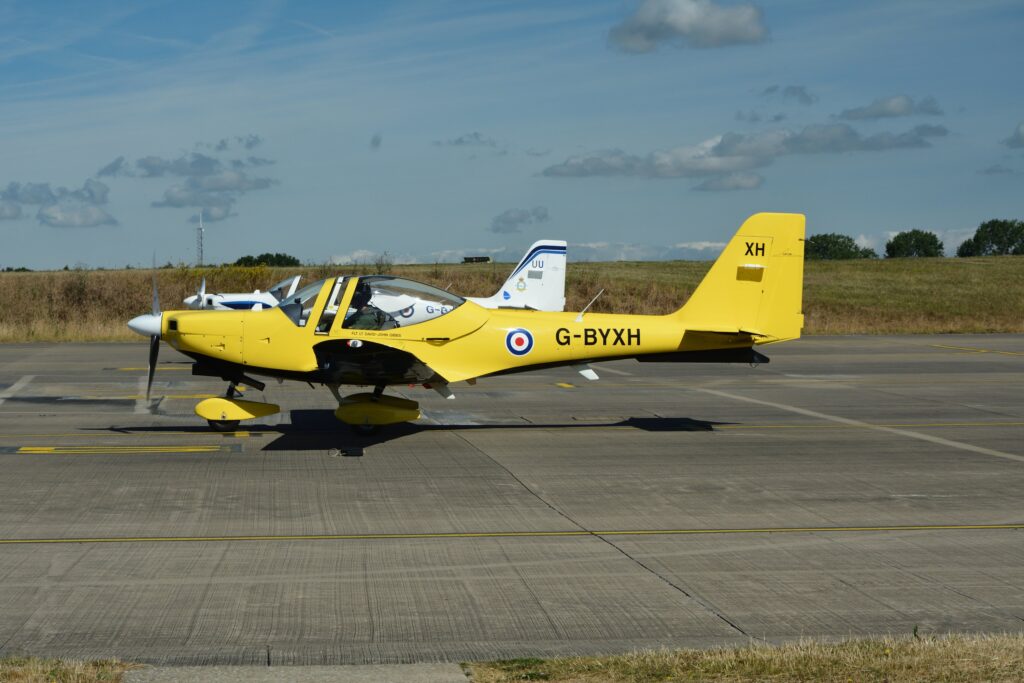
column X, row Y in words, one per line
column 199, row 239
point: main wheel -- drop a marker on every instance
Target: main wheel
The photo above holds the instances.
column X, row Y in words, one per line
column 223, row 425
column 365, row 430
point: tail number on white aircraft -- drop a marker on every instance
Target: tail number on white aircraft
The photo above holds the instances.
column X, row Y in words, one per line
column 605, row 336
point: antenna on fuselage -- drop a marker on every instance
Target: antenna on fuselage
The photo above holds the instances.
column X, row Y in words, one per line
column 579, row 318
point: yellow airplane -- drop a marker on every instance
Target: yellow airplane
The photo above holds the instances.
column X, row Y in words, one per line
column 331, row 333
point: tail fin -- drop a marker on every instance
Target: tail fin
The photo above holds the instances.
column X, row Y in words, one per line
column 537, row 282
column 756, row 285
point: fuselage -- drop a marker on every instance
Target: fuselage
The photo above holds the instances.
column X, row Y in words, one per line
column 468, row 341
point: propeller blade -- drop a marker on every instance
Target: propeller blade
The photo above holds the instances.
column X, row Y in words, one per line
column 154, row 351
column 202, row 294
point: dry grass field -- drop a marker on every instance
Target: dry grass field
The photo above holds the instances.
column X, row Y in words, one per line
column 946, row 659
column 840, row 297
column 952, row 659
column 36, row 670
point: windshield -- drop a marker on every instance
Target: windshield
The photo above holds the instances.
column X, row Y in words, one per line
column 282, row 288
column 299, row 305
column 381, row 303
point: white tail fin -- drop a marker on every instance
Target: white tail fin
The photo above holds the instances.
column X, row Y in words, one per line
column 537, row 282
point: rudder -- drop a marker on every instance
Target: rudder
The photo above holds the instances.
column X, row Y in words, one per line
column 756, row 285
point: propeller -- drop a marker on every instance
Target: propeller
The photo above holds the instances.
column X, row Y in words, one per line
column 154, row 351
column 201, row 294
column 149, row 325
column 154, row 340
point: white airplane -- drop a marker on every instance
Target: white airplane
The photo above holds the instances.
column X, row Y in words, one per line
column 536, row 283
column 244, row 301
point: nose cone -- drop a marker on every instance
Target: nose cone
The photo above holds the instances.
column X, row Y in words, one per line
column 147, row 325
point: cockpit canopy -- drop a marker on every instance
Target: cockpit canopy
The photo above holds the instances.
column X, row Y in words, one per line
column 378, row 302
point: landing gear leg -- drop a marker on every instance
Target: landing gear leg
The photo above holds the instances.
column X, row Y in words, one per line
column 226, row 425
column 368, row 429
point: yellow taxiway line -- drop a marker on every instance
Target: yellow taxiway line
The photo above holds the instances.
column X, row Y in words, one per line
column 879, row 424
column 128, row 397
column 517, row 534
column 973, row 349
column 117, row 450
column 580, row 426
column 202, row 433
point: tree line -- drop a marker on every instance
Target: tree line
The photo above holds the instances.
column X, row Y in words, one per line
column 992, row 238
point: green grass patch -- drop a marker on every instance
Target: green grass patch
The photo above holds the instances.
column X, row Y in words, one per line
column 947, row 659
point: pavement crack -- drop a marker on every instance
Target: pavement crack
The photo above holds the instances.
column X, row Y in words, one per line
column 679, row 589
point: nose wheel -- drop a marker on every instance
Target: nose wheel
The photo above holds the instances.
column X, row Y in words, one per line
column 223, row 425
column 226, row 425
column 224, row 414
column 365, row 429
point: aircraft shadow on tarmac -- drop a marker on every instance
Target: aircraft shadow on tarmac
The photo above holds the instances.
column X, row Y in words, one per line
column 318, row 430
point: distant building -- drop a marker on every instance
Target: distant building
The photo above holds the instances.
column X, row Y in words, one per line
column 476, row 259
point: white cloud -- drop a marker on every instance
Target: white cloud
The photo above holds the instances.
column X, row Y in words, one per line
column 474, row 139
column 702, row 160
column 510, row 220
column 456, row 255
column 9, row 210
column 722, row 159
column 368, row 257
column 688, row 23
column 212, row 214
column 74, row 215
column 1017, row 138
column 182, row 195
column 229, row 181
column 800, row 93
column 732, row 181
column 700, row 246
column 869, row 241
column 997, row 169
column 357, row 256
column 897, row 105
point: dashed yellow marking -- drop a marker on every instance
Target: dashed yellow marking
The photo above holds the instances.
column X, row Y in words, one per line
column 880, row 424
column 132, row 397
column 205, row 433
column 202, row 433
column 117, row 450
column 565, row 385
column 972, row 349
column 518, row 534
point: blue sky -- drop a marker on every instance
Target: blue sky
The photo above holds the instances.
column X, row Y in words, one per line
column 631, row 128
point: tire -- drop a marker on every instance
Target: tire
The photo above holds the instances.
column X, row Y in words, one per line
column 365, row 430
column 223, row 425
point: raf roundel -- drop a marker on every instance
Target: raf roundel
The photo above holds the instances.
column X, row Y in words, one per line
column 519, row 342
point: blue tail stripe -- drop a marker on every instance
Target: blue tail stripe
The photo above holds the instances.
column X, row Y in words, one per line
column 542, row 249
